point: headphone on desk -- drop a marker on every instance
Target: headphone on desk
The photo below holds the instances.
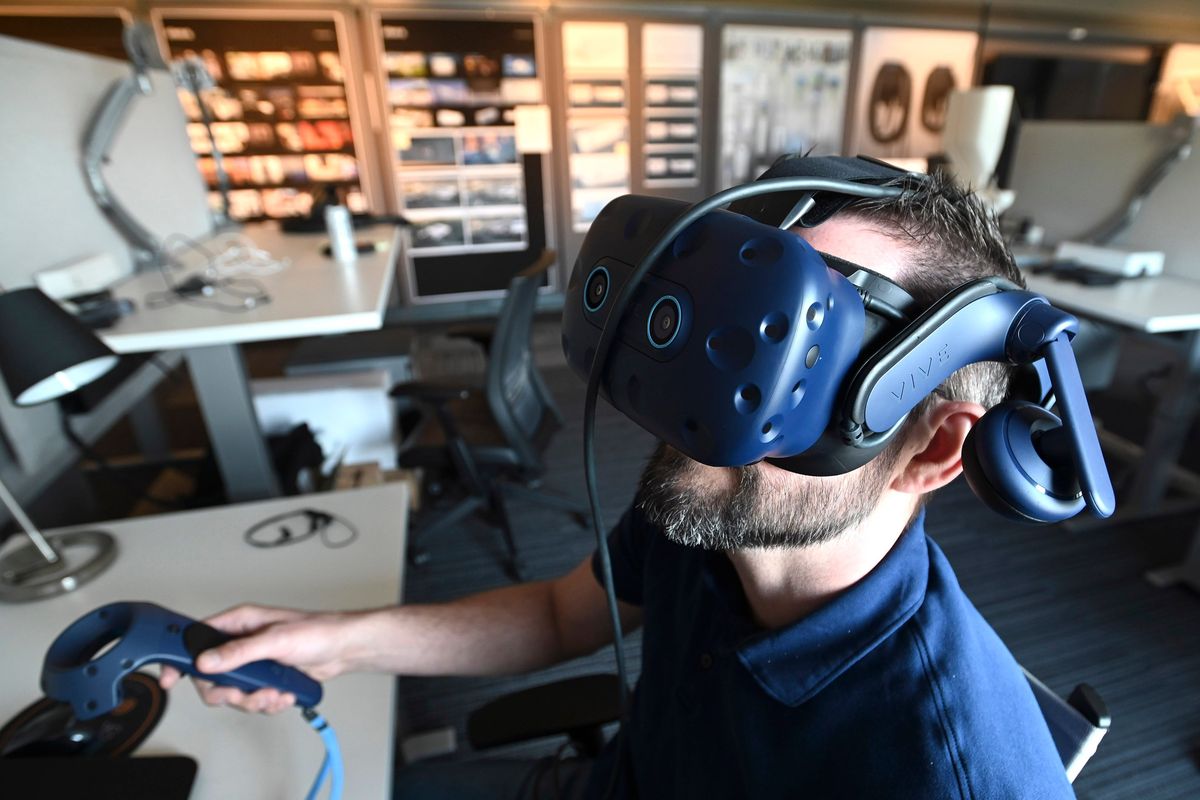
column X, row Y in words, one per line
column 734, row 341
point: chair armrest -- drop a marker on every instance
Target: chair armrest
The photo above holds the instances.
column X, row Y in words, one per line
column 579, row 707
column 1087, row 701
column 430, row 392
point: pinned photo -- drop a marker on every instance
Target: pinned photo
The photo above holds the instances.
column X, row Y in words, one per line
column 410, row 92
column 331, row 66
column 431, row 194
column 494, row 192
column 483, row 72
column 519, row 66
column 443, row 65
column 411, row 118
column 425, row 151
column 498, row 230
column 450, row 118
column 599, row 135
column 409, row 64
column 437, row 233
column 489, row 148
column 450, row 93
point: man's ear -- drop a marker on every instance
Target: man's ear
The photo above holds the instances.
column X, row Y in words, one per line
column 934, row 448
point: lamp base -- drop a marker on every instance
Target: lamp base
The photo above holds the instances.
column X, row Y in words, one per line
column 25, row 575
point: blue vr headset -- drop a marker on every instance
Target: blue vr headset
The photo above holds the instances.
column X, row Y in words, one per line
column 734, row 341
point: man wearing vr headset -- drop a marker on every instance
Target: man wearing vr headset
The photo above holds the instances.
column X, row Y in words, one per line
column 802, row 636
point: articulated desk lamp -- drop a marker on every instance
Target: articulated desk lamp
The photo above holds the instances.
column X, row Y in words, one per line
column 46, row 353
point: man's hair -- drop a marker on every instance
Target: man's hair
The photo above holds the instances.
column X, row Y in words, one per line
column 953, row 239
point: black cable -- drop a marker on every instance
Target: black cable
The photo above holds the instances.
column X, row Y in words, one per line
column 319, row 523
column 253, row 295
column 112, row 472
column 608, row 336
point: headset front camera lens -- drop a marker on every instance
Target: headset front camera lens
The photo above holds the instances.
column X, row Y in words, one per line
column 663, row 325
column 595, row 291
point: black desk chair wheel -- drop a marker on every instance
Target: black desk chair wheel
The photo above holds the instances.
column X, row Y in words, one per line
column 579, row 708
column 522, row 420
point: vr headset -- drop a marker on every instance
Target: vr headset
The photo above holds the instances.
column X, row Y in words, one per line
column 734, row 341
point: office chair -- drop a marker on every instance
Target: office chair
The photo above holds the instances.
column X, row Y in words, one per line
column 522, row 421
column 580, row 708
column 1076, row 724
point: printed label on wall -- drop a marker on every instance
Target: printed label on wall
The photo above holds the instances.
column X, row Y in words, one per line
column 596, row 58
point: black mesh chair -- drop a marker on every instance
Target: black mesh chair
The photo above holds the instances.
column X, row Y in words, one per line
column 579, row 708
column 504, row 460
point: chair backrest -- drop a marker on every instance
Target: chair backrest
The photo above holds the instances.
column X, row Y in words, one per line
column 1077, row 724
column 515, row 393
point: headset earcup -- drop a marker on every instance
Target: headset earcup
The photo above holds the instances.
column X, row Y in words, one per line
column 1005, row 470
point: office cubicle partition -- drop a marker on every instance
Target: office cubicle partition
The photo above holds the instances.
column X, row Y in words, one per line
column 287, row 115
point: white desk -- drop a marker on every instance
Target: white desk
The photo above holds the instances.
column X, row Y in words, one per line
column 196, row 563
column 1164, row 304
column 313, row 296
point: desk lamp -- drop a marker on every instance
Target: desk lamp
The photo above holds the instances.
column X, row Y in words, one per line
column 46, row 353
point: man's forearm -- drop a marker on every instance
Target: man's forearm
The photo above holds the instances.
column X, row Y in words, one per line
column 507, row 630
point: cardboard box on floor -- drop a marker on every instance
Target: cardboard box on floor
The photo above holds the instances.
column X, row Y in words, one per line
column 369, row 473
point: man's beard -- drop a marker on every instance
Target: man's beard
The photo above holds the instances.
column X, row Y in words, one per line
column 798, row 511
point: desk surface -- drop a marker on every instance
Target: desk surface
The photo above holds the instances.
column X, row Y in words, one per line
column 1163, row 304
column 197, row 563
column 313, row 296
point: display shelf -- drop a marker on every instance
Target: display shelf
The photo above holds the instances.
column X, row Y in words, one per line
column 288, row 66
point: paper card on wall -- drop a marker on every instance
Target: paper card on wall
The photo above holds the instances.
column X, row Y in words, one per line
column 401, row 138
column 672, row 48
column 519, row 91
column 906, row 76
column 533, row 128
column 600, row 47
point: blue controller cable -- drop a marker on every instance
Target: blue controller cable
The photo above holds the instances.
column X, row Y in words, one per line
column 331, row 767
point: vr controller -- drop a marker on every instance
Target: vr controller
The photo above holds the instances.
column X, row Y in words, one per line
column 144, row 633
column 737, row 342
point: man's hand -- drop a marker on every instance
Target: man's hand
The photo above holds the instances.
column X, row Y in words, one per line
column 502, row 632
column 318, row 644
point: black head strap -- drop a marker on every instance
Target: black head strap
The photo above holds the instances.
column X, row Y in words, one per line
column 775, row 209
column 880, row 293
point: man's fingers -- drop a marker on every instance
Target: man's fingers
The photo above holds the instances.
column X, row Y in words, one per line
column 223, row 696
column 168, row 677
column 282, row 703
column 231, row 655
column 249, row 618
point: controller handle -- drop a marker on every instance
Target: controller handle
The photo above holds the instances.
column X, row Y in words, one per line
column 141, row 634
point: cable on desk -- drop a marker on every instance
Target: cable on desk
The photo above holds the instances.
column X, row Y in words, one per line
column 208, row 287
column 319, row 523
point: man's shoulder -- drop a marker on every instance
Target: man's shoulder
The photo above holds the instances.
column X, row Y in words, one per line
column 972, row 700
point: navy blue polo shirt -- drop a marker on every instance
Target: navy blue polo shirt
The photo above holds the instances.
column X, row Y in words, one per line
column 897, row 688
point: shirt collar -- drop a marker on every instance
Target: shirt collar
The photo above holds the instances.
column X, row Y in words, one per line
column 793, row 663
